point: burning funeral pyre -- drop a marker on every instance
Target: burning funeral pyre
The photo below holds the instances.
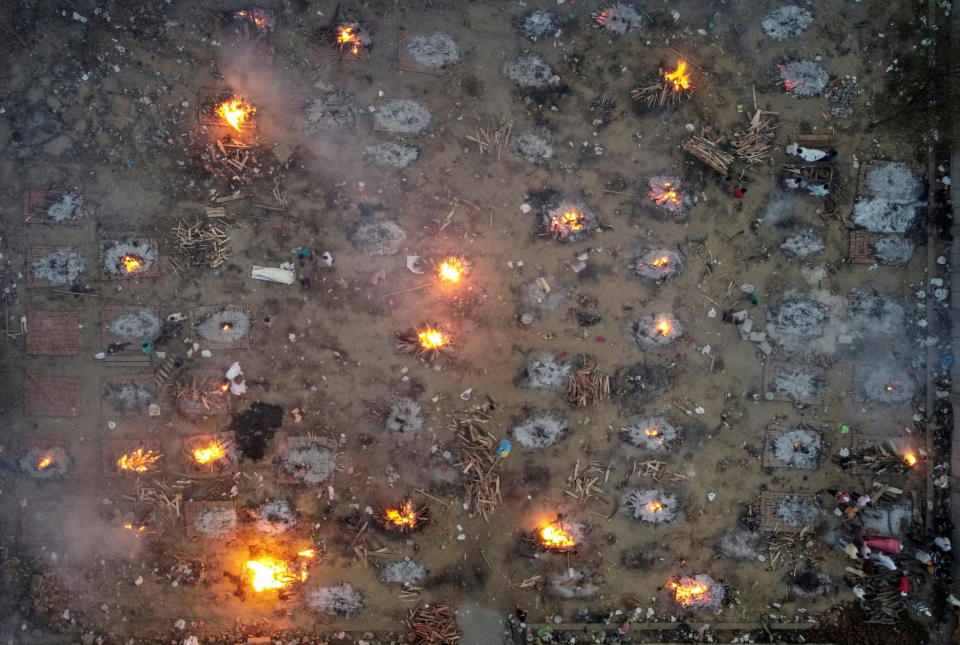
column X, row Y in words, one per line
column 234, row 112
column 888, row 385
column 45, row 463
column 652, row 506
column 249, row 21
column 209, row 454
column 266, row 573
column 428, row 341
column 658, row 264
column 130, row 258
column 568, row 222
column 555, row 536
column 138, row 461
column 885, row 457
column 666, row 193
column 200, row 395
column 352, row 38
column 651, row 433
column 403, row 518
column 656, row 330
column 697, row 592
column 452, row 271
column 668, row 89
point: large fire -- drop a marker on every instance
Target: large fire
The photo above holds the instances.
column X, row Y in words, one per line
column 44, row 463
column 689, row 591
column 661, row 262
column 451, row 270
column 432, row 339
column 349, row 36
column 138, row 461
column 270, row 573
column 663, row 327
column 211, row 452
column 554, row 537
column 567, row 223
column 235, row 112
column 666, row 194
column 131, row 263
column 680, row 78
column 403, row 518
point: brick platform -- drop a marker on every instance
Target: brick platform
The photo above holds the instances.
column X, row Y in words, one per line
column 51, row 396
column 53, row 333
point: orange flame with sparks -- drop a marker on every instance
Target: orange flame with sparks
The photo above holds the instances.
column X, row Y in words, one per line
column 679, row 77
column 567, row 223
column 432, row 339
column 553, row 536
column 235, row 112
column 131, row 263
column 666, row 195
column 348, row 35
column 403, row 517
column 911, row 459
column 138, row 461
column 663, row 327
column 451, row 270
column 690, row 592
column 655, row 506
column 44, row 463
column 211, row 452
column 269, row 573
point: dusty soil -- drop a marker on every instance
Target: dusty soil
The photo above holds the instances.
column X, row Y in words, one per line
column 105, row 103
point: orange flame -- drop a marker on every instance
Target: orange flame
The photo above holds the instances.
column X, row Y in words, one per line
column 348, row 35
column 665, row 194
column 138, row 461
column 403, row 517
column 45, row 463
column 225, row 387
column 134, row 529
column 307, row 553
column 131, row 263
column 212, row 452
column 431, row 338
column 652, row 432
column 258, row 18
column 911, row 459
column 567, row 223
column 655, row 506
column 553, row 536
column 689, row 593
column 269, row 573
column 451, row 270
column 679, row 77
column 661, row 262
column 235, row 112
column 663, row 327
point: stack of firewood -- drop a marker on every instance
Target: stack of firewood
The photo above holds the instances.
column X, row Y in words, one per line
column 753, row 145
column 434, row 625
column 479, row 463
column 587, row 385
column 709, row 152
column 200, row 244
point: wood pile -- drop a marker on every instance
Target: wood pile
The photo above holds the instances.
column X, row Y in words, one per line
column 882, row 602
column 654, row 469
column 203, row 391
column 479, row 463
column 753, row 144
column 660, row 93
column 587, row 385
column 880, row 458
column 583, row 483
column 200, row 244
column 709, row 152
column 233, row 154
column 434, row 625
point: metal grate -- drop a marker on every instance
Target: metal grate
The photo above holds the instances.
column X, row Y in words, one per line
column 770, row 519
column 51, row 396
column 771, row 369
column 863, row 190
column 860, row 247
column 53, row 333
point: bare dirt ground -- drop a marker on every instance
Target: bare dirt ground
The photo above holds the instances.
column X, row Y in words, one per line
column 101, row 99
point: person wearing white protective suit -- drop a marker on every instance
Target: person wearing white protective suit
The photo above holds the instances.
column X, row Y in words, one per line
column 810, row 154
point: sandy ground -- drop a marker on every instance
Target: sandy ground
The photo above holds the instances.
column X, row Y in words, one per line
column 109, row 109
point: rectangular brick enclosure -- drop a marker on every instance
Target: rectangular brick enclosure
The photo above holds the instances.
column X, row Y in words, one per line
column 36, row 208
column 787, row 512
column 51, row 396
column 860, row 247
column 200, row 393
column 779, row 375
column 55, row 266
column 208, row 322
column 194, row 512
column 223, row 466
column 53, row 333
column 128, row 318
column 129, row 395
column 115, row 448
column 407, row 63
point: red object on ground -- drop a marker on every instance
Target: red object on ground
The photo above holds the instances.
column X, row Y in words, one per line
column 887, row 545
column 903, row 585
column 738, row 193
column 601, row 339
